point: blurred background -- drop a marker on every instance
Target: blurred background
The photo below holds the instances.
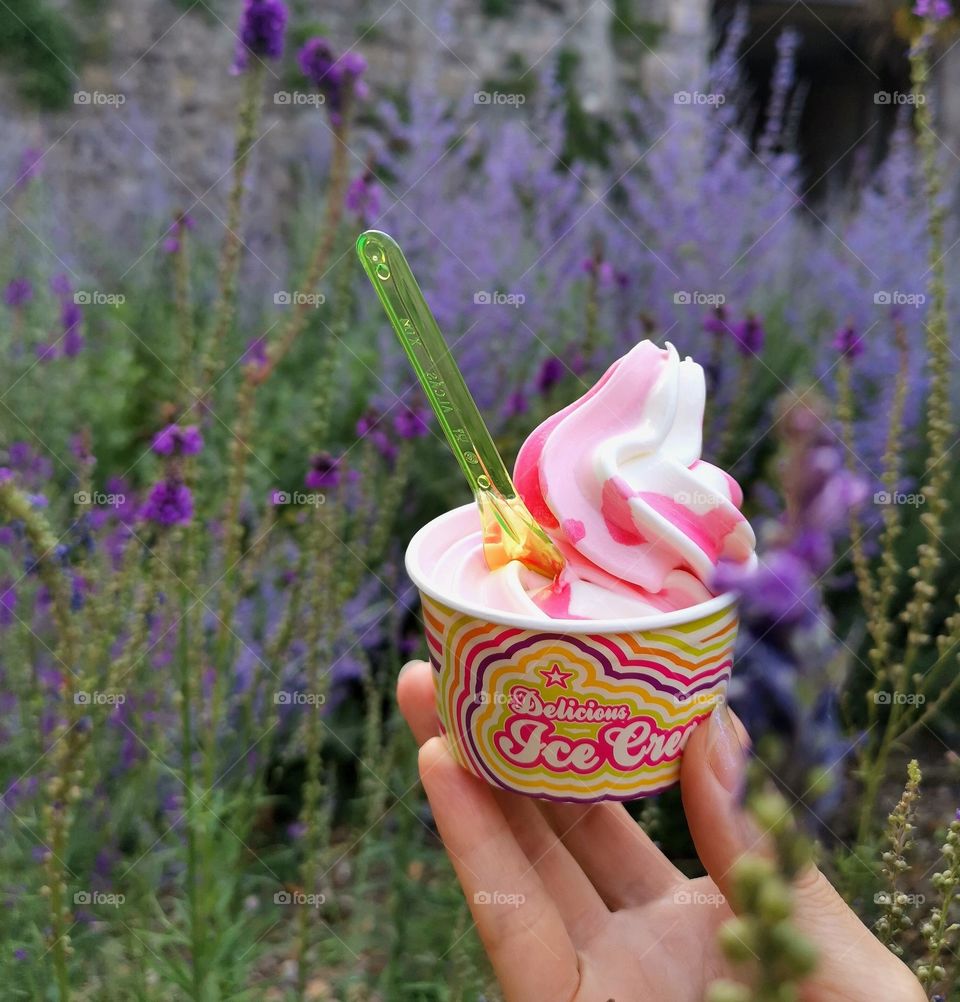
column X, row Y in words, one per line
column 213, row 452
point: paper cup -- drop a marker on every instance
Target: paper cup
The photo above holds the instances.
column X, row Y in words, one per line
column 572, row 710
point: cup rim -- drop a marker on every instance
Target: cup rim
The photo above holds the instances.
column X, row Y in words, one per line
column 659, row 621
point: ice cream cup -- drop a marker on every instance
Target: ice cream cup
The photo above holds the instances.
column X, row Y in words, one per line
column 570, row 710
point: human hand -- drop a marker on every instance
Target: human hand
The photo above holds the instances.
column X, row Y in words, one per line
column 574, row 903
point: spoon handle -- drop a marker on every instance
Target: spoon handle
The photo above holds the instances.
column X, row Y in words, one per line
column 509, row 530
column 434, row 365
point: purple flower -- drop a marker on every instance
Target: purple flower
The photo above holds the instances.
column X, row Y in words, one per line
column 717, row 322
column 29, row 166
column 363, row 196
column 516, row 404
column 169, row 503
column 8, row 603
column 749, row 335
column 20, row 953
column 370, row 425
column 256, row 353
column 176, row 441
column 337, row 79
column 848, row 342
column 46, row 352
column 782, row 589
column 260, row 33
column 324, row 472
column 19, row 292
column 174, row 238
column 71, row 319
column 936, row 10
column 5, row 474
column 551, row 372
column 60, row 285
column 412, row 423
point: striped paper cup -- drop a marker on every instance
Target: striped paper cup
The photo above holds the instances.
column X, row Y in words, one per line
column 574, row 710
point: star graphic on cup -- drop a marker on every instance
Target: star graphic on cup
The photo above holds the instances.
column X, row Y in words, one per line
column 555, row 675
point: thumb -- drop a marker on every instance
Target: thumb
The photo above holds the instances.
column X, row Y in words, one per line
column 711, row 783
column 853, row 964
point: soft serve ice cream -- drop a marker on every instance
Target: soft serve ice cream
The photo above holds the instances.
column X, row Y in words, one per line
column 617, row 481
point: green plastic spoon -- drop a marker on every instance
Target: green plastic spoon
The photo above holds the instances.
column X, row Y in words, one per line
column 510, row 532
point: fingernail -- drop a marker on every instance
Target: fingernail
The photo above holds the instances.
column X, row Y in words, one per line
column 724, row 751
column 406, row 667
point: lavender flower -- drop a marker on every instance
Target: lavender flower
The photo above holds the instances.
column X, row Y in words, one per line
column 412, row 422
column 260, row 34
column 370, row 426
column 363, row 197
column 338, row 79
column 935, row 10
column 29, row 167
column 849, row 342
column 60, row 285
column 71, row 319
column 176, row 441
column 18, row 293
column 170, row 502
column 787, row 641
column 516, row 404
column 8, row 603
column 551, row 372
column 256, row 352
column 324, row 472
column 749, row 336
column 717, row 322
column 173, row 241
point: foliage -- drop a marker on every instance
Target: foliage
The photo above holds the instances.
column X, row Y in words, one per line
column 205, row 491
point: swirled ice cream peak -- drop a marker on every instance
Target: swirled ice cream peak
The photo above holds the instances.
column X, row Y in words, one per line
column 617, row 481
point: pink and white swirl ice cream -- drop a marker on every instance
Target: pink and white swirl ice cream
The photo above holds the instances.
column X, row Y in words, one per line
column 617, row 481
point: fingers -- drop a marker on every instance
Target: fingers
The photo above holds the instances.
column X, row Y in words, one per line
column 614, row 852
column 711, row 780
column 521, row 927
column 415, row 695
column 578, row 903
column 852, row 962
column 580, row 906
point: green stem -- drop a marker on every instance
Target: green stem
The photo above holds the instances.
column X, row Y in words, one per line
column 230, row 255
column 186, row 746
